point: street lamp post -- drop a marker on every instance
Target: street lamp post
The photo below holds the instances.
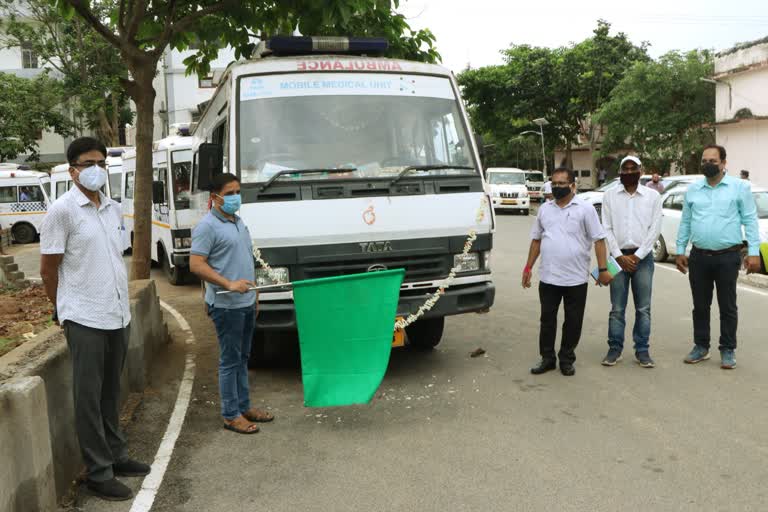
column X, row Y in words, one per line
column 541, row 122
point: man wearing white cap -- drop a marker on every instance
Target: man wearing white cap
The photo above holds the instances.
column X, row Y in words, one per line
column 632, row 222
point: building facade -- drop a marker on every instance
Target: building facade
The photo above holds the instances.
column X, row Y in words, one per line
column 742, row 108
column 178, row 96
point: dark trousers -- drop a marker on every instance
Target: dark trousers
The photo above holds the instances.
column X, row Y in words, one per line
column 574, row 300
column 98, row 357
column 704, row 273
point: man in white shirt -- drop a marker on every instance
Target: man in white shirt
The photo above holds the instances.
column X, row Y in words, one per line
column 81, row 247
column 632, row 222
column 565, row 230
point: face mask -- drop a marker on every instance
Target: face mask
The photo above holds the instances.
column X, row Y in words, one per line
column 630, row 179
column 561, row 192
column 92, row 178
column 710, row 170
column 231, row 204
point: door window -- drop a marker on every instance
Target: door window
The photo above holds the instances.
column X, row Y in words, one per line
column 129, row 182
column 8, row 195
column 61, row 188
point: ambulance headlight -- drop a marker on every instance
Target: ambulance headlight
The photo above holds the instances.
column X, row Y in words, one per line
column 277, row 276
column 467, row 262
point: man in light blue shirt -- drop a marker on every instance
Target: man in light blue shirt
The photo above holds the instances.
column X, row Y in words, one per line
column 714, row 212
column 222, row 256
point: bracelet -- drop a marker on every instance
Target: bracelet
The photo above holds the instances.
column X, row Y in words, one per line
column 602, row 270
column 527, row 269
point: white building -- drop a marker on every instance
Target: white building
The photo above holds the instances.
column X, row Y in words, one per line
column 742, row 108
column 178, row 96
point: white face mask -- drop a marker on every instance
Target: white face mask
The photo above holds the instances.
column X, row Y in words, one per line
column 92, row 178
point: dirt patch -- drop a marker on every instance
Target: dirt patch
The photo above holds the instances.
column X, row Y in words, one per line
column 23, row 313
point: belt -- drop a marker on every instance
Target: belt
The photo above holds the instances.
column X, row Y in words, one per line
column 707, row 252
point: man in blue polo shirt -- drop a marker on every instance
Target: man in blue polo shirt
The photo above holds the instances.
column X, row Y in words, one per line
column 222, row 256
column 714, row 211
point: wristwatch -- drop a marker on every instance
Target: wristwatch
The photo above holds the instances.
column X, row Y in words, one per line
column 602, row 270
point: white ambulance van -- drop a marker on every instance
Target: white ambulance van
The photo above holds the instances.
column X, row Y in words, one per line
column 171, row 216
column 351, row 163
column 24, row 199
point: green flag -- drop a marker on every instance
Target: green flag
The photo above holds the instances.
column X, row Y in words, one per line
column 345, row 334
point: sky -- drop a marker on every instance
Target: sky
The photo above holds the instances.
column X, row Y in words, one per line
column 473, row 31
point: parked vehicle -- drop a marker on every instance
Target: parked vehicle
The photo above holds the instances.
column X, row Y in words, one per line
column 595, row 197
column 172, row 219
column 24, row 199
column 672, row 212
column 534, row 180
column 351, row 163
column 508, row 189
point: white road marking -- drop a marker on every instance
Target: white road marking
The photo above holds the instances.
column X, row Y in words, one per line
column 740, row 287
column 151, row 484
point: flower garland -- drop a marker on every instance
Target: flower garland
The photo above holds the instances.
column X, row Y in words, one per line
column 434, row 298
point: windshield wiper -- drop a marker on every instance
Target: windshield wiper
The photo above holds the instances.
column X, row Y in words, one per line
column 427, row 168
column 286, row 172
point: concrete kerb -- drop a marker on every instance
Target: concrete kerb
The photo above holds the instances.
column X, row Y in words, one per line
column 757, row 280
column 46, row 358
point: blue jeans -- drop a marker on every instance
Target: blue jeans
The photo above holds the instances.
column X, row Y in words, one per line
column 234, row 328
column 641, row 282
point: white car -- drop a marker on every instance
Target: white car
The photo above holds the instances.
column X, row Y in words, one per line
column 534, row 180
column 595, row 197
column 508, row 189
column 672, row 211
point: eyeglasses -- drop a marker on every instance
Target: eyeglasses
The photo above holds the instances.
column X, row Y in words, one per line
column 91, row 163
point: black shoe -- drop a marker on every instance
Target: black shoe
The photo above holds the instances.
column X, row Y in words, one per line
column 110, row 490
column 568, row 370
column 130, row 467
column 544, row 366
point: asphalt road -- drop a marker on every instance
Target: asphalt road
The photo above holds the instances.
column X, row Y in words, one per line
column 451, row 433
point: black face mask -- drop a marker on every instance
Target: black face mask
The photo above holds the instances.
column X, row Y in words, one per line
column 630, row 179
column 710, row 170
column 561, row 192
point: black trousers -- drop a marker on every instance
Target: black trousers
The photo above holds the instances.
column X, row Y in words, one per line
column 704, row 273
column 98, row 357
column 574, row 299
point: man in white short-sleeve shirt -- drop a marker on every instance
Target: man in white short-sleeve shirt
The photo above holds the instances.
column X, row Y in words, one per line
column 565, row 230
column 81, row 247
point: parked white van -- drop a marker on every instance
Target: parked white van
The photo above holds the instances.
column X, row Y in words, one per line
column 535, row 180
column 509, row 189
column 350, row 164
column 24, row 199
column 171, row 217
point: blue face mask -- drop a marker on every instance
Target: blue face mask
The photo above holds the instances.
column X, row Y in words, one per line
column 231, row 203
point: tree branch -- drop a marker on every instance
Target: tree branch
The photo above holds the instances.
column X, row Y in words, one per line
column 81, row 8
column 135, row 17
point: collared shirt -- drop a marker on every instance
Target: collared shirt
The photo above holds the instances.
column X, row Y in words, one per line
column 658, row 186
column 228, row 247
column 93, row 282
column 713, row 216
column 567, row 235
column 631, row 221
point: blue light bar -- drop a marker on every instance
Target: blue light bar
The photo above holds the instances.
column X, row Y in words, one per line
column 288, row 45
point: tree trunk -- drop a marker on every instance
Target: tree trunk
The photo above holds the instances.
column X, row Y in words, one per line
column 592, row 147
column 568, row 154
column 115, row 120
column 144, row 97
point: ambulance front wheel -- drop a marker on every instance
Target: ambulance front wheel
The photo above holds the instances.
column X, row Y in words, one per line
column 23, row 233
column 425, row 334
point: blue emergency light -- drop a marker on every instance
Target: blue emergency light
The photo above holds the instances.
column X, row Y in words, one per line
column 289, row 45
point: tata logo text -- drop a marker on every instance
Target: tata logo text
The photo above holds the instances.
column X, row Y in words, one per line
column 376, row 247
column 377, row 268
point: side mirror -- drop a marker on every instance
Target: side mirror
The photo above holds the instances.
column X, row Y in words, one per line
column 210, row 163
column 158, row 192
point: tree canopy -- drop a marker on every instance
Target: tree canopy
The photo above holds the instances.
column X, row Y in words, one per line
column 663, row 109
column 27, row 108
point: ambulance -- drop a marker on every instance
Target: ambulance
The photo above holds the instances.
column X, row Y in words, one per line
column 171, row 216
column 24, row 199
column 350, row 163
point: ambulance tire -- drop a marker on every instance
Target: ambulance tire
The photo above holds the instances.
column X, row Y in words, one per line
column 24, row 233
column 425, row 334
column 176, row 275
